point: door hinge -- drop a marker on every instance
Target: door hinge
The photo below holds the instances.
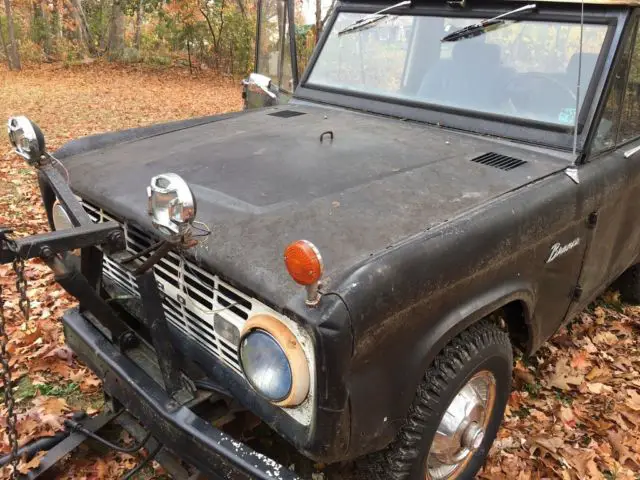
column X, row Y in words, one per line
column 592, row 219
column 577, row 292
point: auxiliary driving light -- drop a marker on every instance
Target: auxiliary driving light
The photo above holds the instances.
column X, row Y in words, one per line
column 26, row 138
column 304, row 264
column 273, row 361
column 172, row 205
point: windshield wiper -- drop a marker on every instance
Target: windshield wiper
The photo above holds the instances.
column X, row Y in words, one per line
column 369, row 20
column 481, row 27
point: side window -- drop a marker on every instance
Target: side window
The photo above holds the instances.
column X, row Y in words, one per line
column 630, row 114
column 608, row 128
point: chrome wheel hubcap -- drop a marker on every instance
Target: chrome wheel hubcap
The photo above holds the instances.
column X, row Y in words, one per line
column 462, row 427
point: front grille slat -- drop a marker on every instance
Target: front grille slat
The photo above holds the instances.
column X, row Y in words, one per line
column 191, row 295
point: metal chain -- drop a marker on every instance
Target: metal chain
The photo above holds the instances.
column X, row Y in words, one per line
column 21, row 286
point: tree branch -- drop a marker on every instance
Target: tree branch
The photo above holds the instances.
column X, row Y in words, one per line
column 215, row 41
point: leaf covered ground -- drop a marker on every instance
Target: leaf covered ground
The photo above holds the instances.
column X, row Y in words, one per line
column 575, row 408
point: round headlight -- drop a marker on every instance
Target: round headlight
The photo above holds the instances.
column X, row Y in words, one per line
column 266, row 366
column 60, row 217
column 273, row 361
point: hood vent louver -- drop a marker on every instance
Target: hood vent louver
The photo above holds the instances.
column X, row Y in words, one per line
column 286, row 113
column 497, row 160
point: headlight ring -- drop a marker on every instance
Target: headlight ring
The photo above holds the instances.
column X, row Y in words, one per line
column 274, row 361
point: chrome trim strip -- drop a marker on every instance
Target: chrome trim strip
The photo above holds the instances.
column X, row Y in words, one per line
column 631, row 152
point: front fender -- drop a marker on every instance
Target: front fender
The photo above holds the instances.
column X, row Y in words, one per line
column 475, row 309
column 392, row 357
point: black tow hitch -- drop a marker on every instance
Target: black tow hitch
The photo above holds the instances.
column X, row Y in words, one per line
column 61, row 444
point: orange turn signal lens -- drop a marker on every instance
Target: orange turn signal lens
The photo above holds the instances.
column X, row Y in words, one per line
column 304, row 262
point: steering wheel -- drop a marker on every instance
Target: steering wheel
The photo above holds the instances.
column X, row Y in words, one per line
column 539, row 94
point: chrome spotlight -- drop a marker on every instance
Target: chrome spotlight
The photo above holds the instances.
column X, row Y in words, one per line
column 26, row 138
column 172, row 206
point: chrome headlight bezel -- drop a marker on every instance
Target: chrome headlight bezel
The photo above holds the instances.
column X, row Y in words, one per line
column 26, row 139
column 172, row 205
column 294, row 355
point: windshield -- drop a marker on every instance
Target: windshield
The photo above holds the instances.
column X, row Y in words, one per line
column 525, row 69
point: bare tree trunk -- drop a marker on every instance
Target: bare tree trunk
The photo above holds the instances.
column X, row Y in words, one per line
column 242, row 9
column 115, row 44
column 213, row 34
column 189, row 53
column 14, row 56
column 59, row 18
column 221, row 25
column 282, row 43
column 40, row 27
column 4, row 44
column 83, row 27
column 46, row 19
column 318, row 19
column 138, row 29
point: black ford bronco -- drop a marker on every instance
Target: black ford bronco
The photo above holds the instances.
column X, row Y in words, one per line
column 449, row 181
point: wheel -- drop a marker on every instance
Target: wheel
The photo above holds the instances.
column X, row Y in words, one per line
column 456, row 412
column 629, row 285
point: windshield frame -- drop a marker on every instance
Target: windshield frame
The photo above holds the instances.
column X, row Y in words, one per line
column 520, row 129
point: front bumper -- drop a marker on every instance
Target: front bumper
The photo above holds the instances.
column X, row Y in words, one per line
column 213, row 452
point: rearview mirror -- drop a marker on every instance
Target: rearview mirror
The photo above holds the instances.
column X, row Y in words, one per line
column 258, row 91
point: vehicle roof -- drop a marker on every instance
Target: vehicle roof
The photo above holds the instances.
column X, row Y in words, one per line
column 631, row 3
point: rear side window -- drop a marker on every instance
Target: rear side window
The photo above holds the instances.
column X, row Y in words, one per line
column 609, row 125
column 630, row 114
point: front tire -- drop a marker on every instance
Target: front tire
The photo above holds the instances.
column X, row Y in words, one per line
column 456, row 413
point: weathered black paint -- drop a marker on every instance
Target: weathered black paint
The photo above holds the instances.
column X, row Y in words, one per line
column 419, row 241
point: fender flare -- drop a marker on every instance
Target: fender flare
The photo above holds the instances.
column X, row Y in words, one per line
column 474, row 310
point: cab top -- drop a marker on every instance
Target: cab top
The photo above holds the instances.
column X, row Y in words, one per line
column 630, row 3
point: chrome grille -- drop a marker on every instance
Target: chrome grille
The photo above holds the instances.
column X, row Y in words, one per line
column 193, row 299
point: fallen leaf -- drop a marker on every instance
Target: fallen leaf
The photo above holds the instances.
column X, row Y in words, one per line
column 567, row 417
column 24, row 467
column 564, row 377
column 605, row 337
column 624, row 454
column 580, row 361
column 582, row 461
column 598, row 373
column 598, row 388
column 633, row 399
column 52, row 405
column 550, row 443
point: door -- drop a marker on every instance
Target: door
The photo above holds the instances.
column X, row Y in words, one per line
column 610, row 181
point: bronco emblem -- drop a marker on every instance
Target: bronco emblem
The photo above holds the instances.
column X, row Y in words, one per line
column 558, row 249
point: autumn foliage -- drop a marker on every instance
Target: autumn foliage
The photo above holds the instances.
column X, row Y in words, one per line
column 202, row 34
